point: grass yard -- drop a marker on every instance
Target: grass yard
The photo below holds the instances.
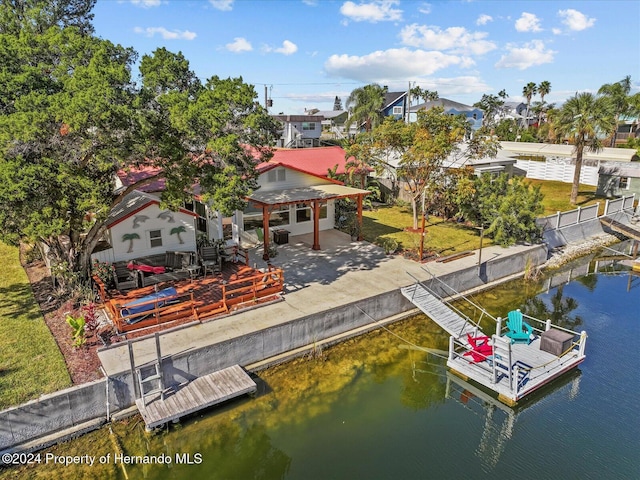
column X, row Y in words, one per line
column 443, row 238
column 557, row 194
column 30, row 361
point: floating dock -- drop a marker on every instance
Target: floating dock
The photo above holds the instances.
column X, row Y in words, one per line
column 512, row 370
column 195, row 395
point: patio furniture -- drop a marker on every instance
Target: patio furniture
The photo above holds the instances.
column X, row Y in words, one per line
column 210, row 260
column 555, row 341
column 147, row 304
column 124, row 278
column 519, row 330
column 480, row 348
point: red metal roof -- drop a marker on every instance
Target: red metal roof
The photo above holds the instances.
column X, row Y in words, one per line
column 316, row 161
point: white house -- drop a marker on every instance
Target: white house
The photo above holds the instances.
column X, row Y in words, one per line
column 138, row 227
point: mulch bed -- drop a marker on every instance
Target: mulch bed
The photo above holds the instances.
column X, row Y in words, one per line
column 82, row 363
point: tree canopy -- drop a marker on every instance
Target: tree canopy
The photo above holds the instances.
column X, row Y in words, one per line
column 581, row 120
column 365, row 106
column 71, row 117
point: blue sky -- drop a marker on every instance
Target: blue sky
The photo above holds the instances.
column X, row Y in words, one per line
column 308, row 51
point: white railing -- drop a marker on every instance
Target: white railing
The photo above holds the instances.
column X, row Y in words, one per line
column 584, row 214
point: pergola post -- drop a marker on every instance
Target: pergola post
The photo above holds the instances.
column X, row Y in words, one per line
column 316, row 225
column 265, row 229
column 360, row 217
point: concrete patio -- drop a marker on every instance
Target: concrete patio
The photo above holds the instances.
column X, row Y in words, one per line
column 341, row 273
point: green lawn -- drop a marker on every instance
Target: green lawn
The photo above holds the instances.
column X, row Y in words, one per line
column 557, row 194
column 444, row 238
column 30, row 361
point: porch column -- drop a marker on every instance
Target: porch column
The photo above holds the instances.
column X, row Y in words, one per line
column 316, row 225
column 265, row 229
column 359, row 217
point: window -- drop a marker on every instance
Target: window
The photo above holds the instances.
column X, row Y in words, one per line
column 199, row 209
column 623, row 183
column 252, row 217
column 308, row 125
column 279, row 216
column 303, row 213
column 155, row 238
column 323, row 211
column 277, row 175
column 397, row 110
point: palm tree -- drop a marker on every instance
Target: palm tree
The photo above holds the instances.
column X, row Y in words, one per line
column 177, row 231
column 618, row 94
column 365, row 106
column 130, row 237
column 529, row 90
column 580, row 120
column 543, row 89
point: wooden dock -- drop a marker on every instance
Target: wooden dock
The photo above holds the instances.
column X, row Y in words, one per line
column 196, row 395
column 631, row 231
column 438, row 311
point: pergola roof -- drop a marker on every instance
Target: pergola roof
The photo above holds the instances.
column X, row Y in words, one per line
column 304, row 194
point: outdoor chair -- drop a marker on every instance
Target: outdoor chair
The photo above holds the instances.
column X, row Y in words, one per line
column 211, row 260
column 481, row 349
column 519, row 330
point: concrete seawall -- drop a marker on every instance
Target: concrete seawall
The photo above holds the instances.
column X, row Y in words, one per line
column 74, row 406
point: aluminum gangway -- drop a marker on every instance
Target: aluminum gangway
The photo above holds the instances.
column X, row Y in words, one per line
column 454, row 322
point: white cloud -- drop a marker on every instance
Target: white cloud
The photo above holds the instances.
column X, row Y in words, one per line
column 455, row 39
column 556, row 31
column 375, row 11
column 311, row 3
column 425, row 8
column 384, row 66
column 528, row 22
column 166, row 34
column 288, row 48
column 484, row 19
column 146, row 3
column 528, row 55
column 576, row 20
column 224, row 5
column 239, row 44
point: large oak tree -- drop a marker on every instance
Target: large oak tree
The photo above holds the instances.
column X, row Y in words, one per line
column 71, row 117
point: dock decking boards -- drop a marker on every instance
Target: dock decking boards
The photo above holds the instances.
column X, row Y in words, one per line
column 196, row 395
column 631, row 231
column 438, row 311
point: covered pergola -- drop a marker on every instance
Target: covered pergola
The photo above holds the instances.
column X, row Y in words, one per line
column 315, row 196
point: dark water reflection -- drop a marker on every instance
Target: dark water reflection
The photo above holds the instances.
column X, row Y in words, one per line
column 377, row 407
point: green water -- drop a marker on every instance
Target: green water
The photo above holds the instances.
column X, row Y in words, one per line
column 376, row 408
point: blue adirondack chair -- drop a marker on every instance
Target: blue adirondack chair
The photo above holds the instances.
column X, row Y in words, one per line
column 519, row 330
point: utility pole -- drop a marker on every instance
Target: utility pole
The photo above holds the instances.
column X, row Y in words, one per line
column 266, row 101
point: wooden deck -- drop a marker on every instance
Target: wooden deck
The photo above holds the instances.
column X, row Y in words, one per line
column 631, row 231
column 438, row 311
column 196, row 395
column 199, row 299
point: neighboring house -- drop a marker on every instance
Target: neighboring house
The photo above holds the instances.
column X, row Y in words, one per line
column 617, row 179
column 333, row 123
column 138, row 227
column 395, row 105
column 627, row 129
column 474, row 115
column 299, row 131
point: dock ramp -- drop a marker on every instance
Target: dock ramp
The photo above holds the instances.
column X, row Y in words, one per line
column 436, row 309
column 195, row 395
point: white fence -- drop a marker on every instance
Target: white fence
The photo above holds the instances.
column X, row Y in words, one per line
column 562, row 172
column 584, row 214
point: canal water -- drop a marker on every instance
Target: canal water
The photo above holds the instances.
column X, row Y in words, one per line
column 381, row 407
